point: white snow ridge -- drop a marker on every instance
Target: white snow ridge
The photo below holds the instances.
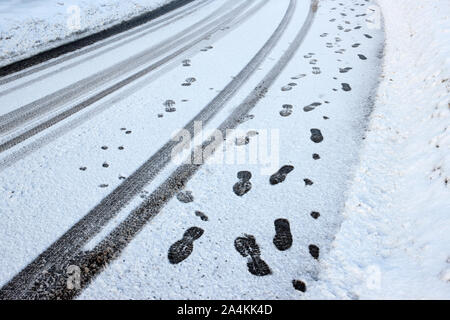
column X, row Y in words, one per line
column 395, row 241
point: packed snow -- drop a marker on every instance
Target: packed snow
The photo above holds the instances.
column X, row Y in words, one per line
column 28, row 27
column 395, row 240
column 364, row 137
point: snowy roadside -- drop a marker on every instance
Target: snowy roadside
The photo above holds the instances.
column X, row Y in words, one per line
column 395, row 239
column 29, row 27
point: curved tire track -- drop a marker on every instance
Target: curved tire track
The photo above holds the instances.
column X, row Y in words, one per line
column 67, row 249
column 218, row 24
column 88, row 85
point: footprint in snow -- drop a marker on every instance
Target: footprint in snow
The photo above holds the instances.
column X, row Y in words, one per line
column 316, row 70
column 316, row 136
column 299, row 76
column 362, row 57
column 280, row 175
column 312, row 106
column 169, row 104
column 286, row 88
column 243, row 185
column 188, row 82
column 241, row 141
column 201, row 215
column 283, row 236
column 314, row 251
column 186, row 63
column 316, row 156
column 248, row 248
column 183, row 248
column 287, row 110
column 246, row 118
column 368, row 36
column 356, row 45
column 345, row 70
column 346, row 87
column 315, row 215
column 185, row 196
column 308, row 182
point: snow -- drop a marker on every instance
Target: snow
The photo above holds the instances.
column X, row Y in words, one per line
column 380, row 185
column 28, row 27
column 215, row 270
column 395, row 240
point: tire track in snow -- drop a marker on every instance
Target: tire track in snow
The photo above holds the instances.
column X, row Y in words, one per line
column 111, row 247
column 75, row 92
column 67, row 249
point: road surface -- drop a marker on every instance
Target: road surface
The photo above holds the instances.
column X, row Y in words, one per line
column 94, row 203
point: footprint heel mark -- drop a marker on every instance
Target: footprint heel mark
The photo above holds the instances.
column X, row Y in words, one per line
column 283, row 237
column 201, row 215
column 316, row 136
column 312, row 106
column 314, row 251
column 243, row 185
column 280, row 175
column 248, row 248
column 183, row 248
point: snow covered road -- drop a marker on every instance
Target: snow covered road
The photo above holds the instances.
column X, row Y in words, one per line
column 87, row 181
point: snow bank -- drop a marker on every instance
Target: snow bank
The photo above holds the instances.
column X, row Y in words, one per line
column 395, row 240
column 31, row 26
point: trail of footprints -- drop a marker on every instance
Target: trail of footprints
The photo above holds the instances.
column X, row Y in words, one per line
column 247, row 245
